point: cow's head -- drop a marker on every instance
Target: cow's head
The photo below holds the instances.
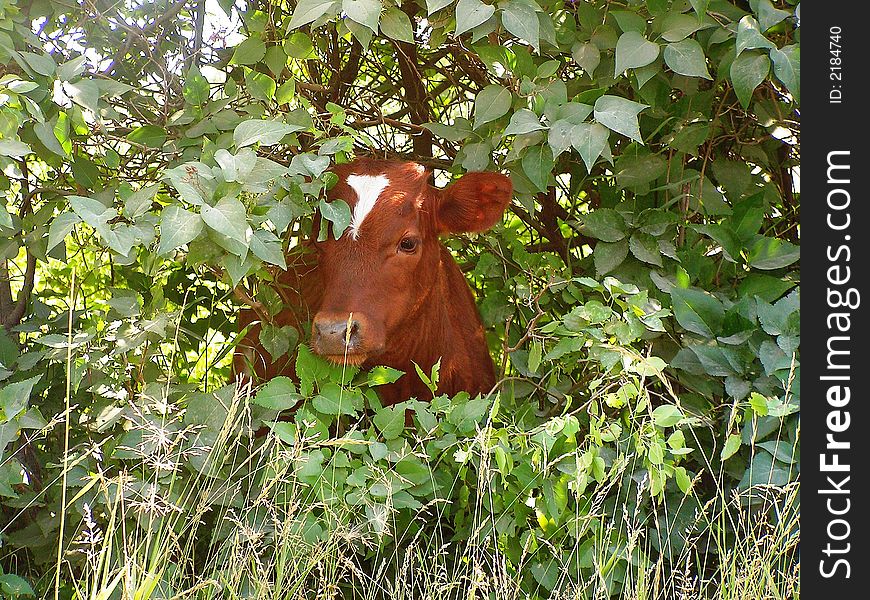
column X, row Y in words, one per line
column 378, row 276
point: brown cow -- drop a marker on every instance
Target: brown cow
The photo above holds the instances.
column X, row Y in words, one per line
column 390, row 280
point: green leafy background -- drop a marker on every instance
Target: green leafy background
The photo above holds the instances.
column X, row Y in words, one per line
column 641, row 296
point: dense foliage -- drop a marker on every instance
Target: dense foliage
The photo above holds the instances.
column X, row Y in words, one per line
column 641, row 296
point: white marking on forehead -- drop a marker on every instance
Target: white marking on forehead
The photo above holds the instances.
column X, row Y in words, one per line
column 368, row 189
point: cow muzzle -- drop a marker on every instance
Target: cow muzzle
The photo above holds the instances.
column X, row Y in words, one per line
column 340, row 338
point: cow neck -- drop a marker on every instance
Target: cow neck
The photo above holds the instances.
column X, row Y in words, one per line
column 429, row 328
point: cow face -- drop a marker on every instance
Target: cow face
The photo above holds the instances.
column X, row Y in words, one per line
column 382, row 273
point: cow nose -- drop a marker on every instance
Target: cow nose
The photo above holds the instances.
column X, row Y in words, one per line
column 334, row 336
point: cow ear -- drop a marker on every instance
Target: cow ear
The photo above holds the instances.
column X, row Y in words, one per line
column 474, row 202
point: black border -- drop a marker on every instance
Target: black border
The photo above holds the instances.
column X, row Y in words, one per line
column 833, row 126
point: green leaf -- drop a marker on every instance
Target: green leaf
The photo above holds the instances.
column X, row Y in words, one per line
column 62, row 131
column 537, row 164
column 768, row 15
column 436, row 5
column 85, row 172
column 470, row 14
column 275, row 340
column 71, row 69
column 477, row 156
column 85, row 93
column 748, row 71
column 629, row 20
column 381, row 375
column 150, row 136
column 619, row 115
column 647, row 73
column 689, row 138
column 140, row 201
column 587, row 56
column 93, row 212
column 535, row 356
column 311, row 368
column 41, row 63
column 14, row 149
column 676, row 26
column 285, row 92
column 758, row 404
column 548, row 69
column 723, row 236
column 573, row 112
column 5, row 218
column 266, row 133
column 646, row 248
column 780, row 450
column 467, row 415
column 299, row 45
column 15, row 397
column 335, row 400
column 196, row 88
column 235, row 167
column 311, row 164
column 705, row 198
column 276, row 60
column 787, row 68
column 656, row 454
column 46, row 133
column 396, row 25
column 747, row 217
column 749, row 37
column 340, row 144
column 604, row 224
column 61, row 226
column 237, row 264
column 687, row 58
column 684, row 481
column 457, row 132
column 310, row 10
column 732, row 445
column 390, row 422
column 267, row 247
column 607, row 256
column 119, row 238
column 667, row 415
column 14, row 586
column 227, row 217
column 521, row 20
column 700, row 6
column 338, row 213
column 431, row 380
column 636, row 171
column 260, row 85
column 365, row 12
column 698, row 311
column 633, row 51
column 560, row 136
column 362, row 33
column 177, row 227
column 590, row 140
column 249, row 52
column 764, row 286
column 735, row 176
column 523, row 121
column 492, row 102
column 279, row 394
column 772, row 253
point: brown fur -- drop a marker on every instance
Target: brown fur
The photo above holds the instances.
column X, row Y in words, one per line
column 407, row 307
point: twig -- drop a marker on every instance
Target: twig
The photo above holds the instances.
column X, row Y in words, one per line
column 530, row 328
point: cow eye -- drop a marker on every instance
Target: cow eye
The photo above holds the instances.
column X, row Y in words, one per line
column 409, row 245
